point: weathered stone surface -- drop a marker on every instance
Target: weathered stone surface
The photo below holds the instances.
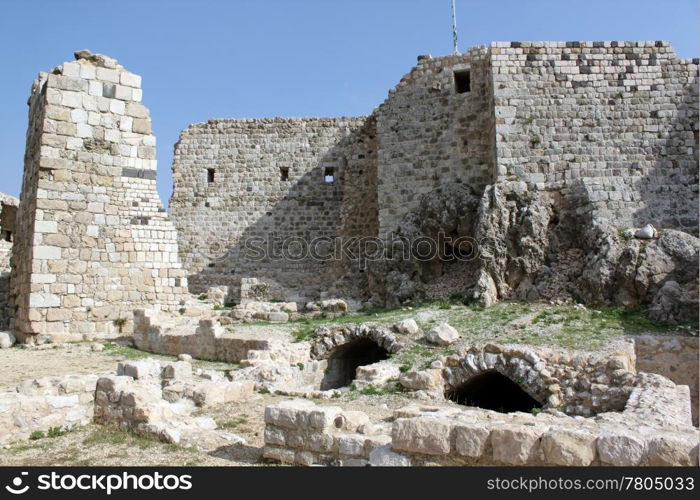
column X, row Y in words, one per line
column 422, row 435
column 384, row 456
column 621, row 448
column 6, row 340
column 471, row 441
column 671, row 451
column 516, row 444
column 442, row 334
column 407, row 327
column 569, row 447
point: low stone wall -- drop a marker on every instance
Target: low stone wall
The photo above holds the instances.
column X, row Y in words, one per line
column 156, row 400
column 654, row 429
column 207, row 340
column 44, row 403
column 676, row 358
column 576, row 382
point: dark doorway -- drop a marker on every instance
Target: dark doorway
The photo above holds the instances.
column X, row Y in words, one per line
column 344, row 360
column 493, row 391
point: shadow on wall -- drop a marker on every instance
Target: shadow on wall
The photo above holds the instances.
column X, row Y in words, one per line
column 669, row 191
column 337, row 196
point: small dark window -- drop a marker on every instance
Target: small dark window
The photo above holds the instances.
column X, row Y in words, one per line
column 328, row 175
column 284, row 174
column 210, row 175
column 462, row 81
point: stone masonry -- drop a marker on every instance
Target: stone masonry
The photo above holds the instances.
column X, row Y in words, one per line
column 607, row 130
column 294, row 179
column 93, row 241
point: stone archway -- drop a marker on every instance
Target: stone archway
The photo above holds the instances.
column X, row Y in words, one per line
column 492, row 390
column 344, row 360
column 520, row 365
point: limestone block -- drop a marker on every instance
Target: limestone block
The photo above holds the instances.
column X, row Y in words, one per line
column 211, row 393
column 442, row 335
column 288, row 414
column 6, row 340
column 569, row 447
column 58, row 402
column 424, row 380
column 672, row 451
column 384, row 456
column 279, row 454
column 430, row 436
column 515, row 444
column 407, row 327
column 621, row 448
column 350, row 420
column 471, row 440
column 376, row 374
column 179, row 370
column 274, row 435
column 278, row 317
column 44, row 300
column 350, row 445
column 147, row 368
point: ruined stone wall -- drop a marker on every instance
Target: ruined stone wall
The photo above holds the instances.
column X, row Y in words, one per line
column 8, row 212
column 250, row 180
column 676, row 358
column 431, row 135
column 45, row 403
column 616, row 121
column 302, row 433
column 93, row 240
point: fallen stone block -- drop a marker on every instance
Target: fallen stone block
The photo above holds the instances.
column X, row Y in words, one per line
column 442, row 335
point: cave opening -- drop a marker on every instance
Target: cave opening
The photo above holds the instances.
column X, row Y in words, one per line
column 346, row 358
column 493, row 391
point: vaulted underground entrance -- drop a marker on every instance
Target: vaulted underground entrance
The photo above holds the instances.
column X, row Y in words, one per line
column 493, row 391
column 344, row 360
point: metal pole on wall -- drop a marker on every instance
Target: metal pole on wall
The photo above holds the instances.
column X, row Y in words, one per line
column 454, row 29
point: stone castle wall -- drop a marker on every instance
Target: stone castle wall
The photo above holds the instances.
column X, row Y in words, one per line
column 615, row 122
column 431, row 135
column 239, row 184
column 611, row 126
column 8, row 212
column 92, row 238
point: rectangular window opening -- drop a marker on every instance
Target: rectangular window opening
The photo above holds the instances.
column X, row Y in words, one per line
column 211, row 173
column 328, row 175
column 284, row 174
column 462, row 81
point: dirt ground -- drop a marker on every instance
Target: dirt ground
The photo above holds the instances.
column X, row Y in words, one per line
column 17, row 363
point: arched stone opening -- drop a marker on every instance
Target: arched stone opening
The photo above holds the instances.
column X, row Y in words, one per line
column 492, row 390
column 344, row 360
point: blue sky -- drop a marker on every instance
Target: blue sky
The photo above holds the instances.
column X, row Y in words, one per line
column 254, row 58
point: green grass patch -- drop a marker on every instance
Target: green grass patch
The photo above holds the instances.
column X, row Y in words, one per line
column 232, row 424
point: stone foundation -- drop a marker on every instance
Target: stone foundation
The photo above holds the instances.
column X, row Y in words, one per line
column 299, row 432
column 676, row 358
column 45, row 403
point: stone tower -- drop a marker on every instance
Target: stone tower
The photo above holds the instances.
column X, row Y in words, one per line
column 93, row 240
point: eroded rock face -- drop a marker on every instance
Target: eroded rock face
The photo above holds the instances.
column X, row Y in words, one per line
column 661, row 272
column 538, row 245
